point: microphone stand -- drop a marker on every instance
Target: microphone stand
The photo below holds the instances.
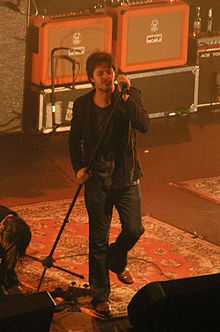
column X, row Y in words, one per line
column 49, row 260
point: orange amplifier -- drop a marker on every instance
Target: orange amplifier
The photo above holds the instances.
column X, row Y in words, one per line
column 69, row 41
column 150, row 36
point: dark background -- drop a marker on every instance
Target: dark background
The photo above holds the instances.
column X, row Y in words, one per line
column 205, row 5
column 54, row 7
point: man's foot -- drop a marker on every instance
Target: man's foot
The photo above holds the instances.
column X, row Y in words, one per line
column 103, row 308
column 125, row 277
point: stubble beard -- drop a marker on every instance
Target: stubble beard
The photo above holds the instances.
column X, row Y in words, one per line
column 107, row 88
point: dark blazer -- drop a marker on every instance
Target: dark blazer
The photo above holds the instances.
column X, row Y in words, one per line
column 128, row 117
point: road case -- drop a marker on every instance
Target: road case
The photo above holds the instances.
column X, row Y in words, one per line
column 165, row 93
column 38, row 107
column 168, row 91
column 205, row 52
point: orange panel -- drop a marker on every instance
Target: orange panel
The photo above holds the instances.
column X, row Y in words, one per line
column 150, row 36
column 81, row 36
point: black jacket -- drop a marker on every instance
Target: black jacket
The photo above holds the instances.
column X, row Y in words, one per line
column 128, row 117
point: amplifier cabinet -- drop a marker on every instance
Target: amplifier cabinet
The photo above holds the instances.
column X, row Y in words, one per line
column 168, row 92
column 38, row 107
column 205, row 52
column 150, row 36
column 79, row 36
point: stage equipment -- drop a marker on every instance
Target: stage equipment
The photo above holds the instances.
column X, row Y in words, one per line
column 168, row 92
column 57, row 8
column 205, row 52
column 150, row 36
column 165, row 92
column 29, row 313
column 189, row 304
column 72, row 37
column 38, row 107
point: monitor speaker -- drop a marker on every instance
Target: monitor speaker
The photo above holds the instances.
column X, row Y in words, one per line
column 151, row 36
column 29, row 313
column 71, row 40
column 189, row 304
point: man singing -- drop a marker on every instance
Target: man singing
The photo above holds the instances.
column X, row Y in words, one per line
column 112, row 180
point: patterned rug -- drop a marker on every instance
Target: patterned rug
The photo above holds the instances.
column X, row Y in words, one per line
column 208, row 188
column 163, row 253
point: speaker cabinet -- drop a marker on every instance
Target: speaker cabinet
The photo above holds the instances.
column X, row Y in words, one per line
column 150, row 36
column 189, row 304
column 205, row 52
column 29, row 313
column 74, row 38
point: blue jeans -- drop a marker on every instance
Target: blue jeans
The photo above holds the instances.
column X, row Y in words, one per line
column 102, row 257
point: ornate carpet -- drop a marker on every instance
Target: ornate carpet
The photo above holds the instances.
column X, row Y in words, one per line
column 163, row 253
column 208, row 188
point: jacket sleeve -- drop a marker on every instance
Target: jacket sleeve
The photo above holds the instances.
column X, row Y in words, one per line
column 135, row 112
column 75, row 139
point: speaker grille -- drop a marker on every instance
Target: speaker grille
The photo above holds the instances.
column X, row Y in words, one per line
column 144, row 45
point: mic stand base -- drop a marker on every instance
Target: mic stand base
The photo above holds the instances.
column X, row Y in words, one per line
column 48, row 263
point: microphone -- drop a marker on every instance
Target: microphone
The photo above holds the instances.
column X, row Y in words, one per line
column 124, row 87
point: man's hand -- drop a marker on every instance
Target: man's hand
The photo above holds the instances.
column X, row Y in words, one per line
column 123, row 79
column 83, row 175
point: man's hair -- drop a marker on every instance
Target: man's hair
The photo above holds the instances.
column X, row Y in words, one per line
column 96, row 59
column 15, row 238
